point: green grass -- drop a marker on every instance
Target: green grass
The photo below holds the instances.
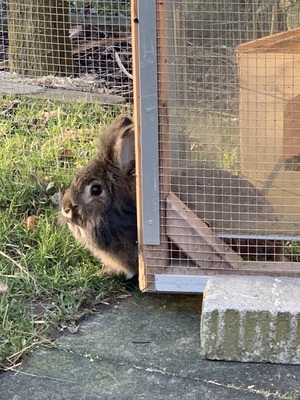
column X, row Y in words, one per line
column 214, row 140
column 46, row 279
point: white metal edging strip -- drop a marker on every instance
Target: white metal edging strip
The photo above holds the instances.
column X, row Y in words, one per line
column 181, row 283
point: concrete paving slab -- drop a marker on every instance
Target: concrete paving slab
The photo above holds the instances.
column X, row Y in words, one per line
column 251, row 319
column 143, row 347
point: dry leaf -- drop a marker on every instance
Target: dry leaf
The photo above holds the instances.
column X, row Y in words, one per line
column 3, row 287
column 40, row 321
column 66, row 153
column 73, row 328
column 48, row 178
column 33, row 177
column 54, row 114
column 49, row 186
column 31, row 222
column 55, row 199
column 68, row 135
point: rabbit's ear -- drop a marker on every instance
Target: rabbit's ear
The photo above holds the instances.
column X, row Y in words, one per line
column 121, row 123
column 124, row 150
column 116, row 144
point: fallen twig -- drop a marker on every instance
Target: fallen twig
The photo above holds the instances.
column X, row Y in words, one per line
column 99, row 43
column 121, row 66
column 42, row 376
column 15, row 358
column 16, row 263
column 4, row 64
column 21, row 268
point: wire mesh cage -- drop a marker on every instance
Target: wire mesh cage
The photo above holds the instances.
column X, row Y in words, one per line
column 65, row 71
column 220, row 80
column 216, row 100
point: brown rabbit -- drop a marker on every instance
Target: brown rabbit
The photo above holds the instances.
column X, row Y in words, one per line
column 99, row 207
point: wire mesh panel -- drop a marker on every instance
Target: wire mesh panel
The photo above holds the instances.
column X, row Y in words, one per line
column 47, row 41
column 65, row 73
column 228, row 108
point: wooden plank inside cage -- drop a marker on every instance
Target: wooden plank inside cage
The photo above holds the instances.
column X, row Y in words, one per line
column 196, row 239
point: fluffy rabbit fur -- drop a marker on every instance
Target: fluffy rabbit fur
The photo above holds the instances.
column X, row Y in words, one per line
column 99, row 207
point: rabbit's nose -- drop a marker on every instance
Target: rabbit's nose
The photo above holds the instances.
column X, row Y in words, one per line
column 66, row 212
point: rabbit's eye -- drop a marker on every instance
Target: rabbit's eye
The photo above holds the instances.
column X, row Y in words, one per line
column 96, row 190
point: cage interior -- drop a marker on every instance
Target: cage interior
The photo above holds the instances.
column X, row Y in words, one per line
column 228, row 96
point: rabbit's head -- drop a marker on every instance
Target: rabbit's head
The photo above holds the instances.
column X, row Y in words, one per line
column 99, row 207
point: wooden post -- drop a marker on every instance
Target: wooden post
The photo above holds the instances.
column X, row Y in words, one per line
column 152, row 258
column 163, row 98
column 137, row 127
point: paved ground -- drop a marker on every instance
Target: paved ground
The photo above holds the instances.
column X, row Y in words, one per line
column 143, row 347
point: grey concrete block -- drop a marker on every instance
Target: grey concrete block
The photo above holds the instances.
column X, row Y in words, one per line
column 251, row 319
